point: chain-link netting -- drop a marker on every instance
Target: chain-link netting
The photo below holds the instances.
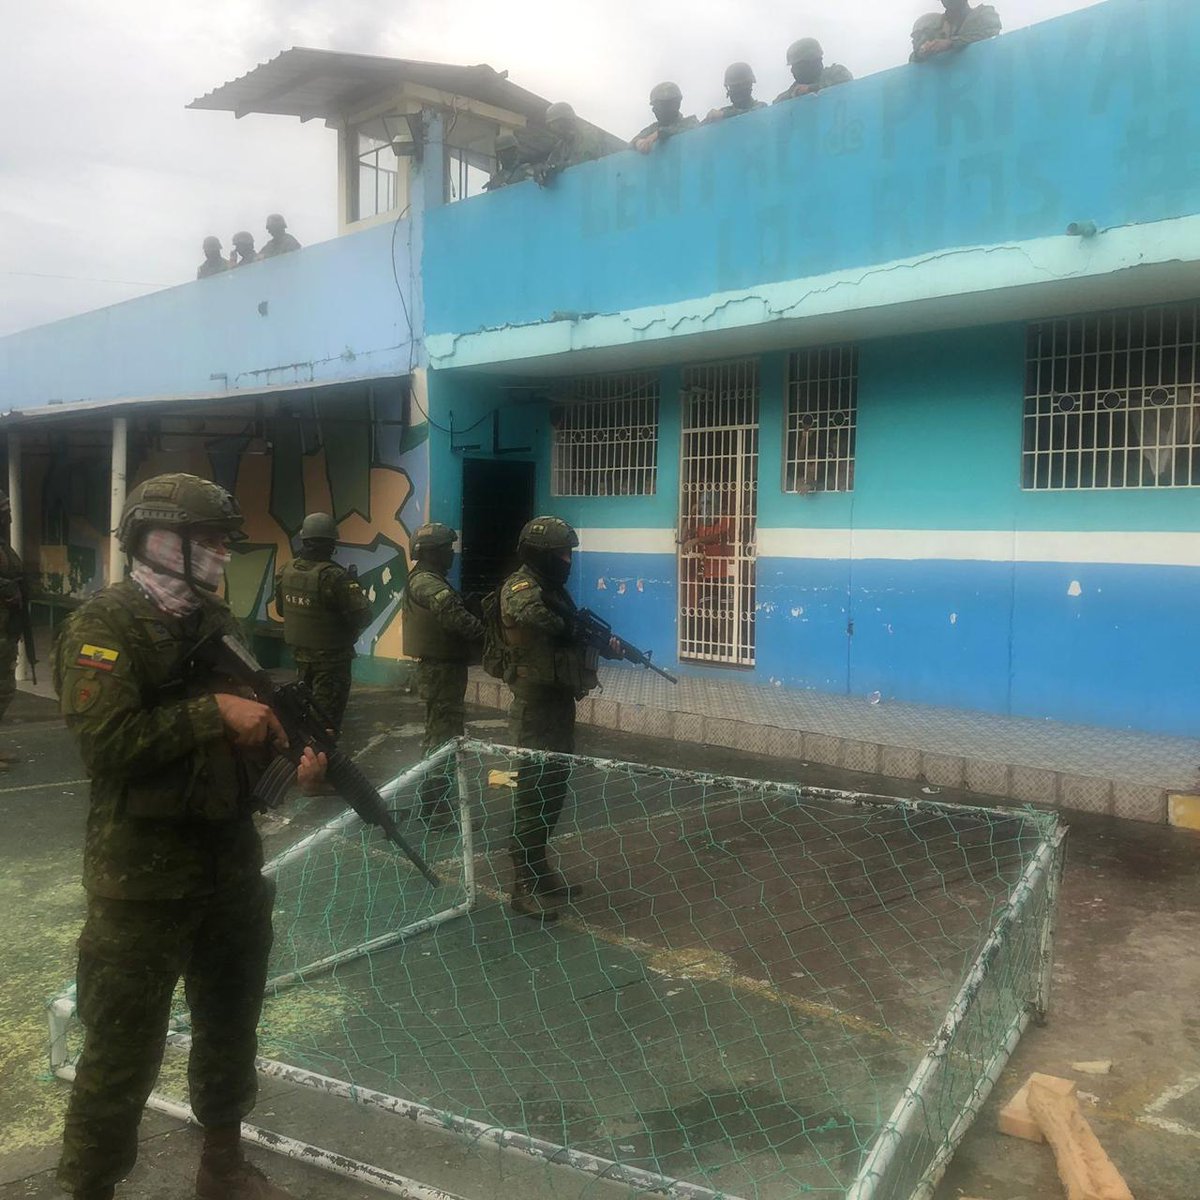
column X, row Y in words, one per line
column 756, row 990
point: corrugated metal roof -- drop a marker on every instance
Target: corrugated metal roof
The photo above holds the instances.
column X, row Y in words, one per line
column 308, row 83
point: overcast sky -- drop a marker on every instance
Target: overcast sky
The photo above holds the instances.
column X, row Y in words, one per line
column 108, row 184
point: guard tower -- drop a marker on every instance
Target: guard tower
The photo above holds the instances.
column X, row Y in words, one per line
column 386, row 111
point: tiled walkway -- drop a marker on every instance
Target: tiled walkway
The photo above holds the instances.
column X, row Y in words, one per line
column 1043, row 762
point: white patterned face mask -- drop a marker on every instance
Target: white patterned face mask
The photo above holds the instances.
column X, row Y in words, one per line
column 159, row 571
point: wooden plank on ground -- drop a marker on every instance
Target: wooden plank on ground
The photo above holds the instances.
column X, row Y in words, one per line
column 1085, row 1169
column 1015, row 1118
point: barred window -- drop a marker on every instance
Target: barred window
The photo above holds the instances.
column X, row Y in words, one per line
column 605, row 436
column 822, row 419
column 1113, row 400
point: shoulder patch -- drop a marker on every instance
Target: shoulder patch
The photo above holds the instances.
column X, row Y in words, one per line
column 85, row 693
column 520, row 585
column 99, row 657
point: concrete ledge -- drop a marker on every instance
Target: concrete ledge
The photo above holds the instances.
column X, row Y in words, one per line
column 1006, row 775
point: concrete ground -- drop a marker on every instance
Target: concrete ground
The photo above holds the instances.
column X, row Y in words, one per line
column 1126, row 979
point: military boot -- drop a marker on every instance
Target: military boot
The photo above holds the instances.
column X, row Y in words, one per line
column 527, row 901
column 226, row 1175
column 550, row 883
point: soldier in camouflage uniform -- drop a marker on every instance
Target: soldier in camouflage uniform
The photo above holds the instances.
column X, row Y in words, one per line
column 549, row 669
column 667, row 101
column 214, row 261
column 573, row 143
column 12, row 574
column 957, row 26
column 510, row 166
column 809, row 72
column 739, row 87
column 324, row 610
column 443, row 637
column 172, row 861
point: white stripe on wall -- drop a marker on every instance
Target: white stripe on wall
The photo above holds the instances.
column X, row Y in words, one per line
column 627, row 541
column 910, row 545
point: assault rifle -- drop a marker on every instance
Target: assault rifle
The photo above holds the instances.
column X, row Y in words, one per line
column 597, row 633
column 305, row 725
column 27, row 628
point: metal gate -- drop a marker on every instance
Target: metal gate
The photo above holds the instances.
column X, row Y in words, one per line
column 718, row 505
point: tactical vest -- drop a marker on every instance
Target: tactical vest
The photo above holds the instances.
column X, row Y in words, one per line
column 422, row 632
column 309, row 621
column 539, row 660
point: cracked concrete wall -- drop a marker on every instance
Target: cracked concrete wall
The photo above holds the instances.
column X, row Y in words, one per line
column 996, row 145
column 326, row 313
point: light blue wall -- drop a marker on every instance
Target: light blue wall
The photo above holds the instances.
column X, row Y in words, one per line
column 939, row 444
column 332, row 312
column 1093, row 116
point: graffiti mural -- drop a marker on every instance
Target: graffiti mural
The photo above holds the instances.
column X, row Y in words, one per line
column 353, row 453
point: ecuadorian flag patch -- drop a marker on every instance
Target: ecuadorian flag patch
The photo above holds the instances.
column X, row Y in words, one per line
column 98, row 657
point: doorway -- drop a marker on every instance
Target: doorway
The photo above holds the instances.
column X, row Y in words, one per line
column 718, row 510
column 498, row 499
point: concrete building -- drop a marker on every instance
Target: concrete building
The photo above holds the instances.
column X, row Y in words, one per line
column 887, row 390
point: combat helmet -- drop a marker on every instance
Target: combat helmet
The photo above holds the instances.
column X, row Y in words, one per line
column 319, row 527
column 506, row 140
column 177, row 501
column 665, row 93
column 739, row 73
column 805, row 50
column 431, row 536
column 560, row 110
column 548, row 533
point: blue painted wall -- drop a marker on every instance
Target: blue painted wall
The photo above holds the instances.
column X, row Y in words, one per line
column 939, row 443
column 331, row 311
column 1092, row 116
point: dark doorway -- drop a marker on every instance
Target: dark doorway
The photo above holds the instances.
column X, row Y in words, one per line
column 497, row 501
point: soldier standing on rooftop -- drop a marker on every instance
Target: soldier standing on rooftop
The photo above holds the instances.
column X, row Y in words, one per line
column 444, row 637
column 280, row 242
column 324, row 610
column 243, row 249
column 809, row 72
column 739, row 87
column 214, row 261
column 509, row 167
column 957, row 26
column 573, row 143
column 666, row 100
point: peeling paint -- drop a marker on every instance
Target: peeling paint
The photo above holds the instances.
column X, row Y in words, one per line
column 1075, row 589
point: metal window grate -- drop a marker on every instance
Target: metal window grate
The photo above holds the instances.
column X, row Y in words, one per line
column 605, row 436
column 1112, row 400
column 822, row 420
column 718, row 490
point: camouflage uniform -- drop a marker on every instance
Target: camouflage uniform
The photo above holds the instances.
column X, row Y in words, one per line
column 443, row 636
column 549, row 670
column 665, row 130
column 172, row 869
column 12, row 572
column 324, row 610
column 977, row 25
column 831, row 76
column 582, row 146
column 731, row 110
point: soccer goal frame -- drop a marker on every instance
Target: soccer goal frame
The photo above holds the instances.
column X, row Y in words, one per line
column 907, row 1156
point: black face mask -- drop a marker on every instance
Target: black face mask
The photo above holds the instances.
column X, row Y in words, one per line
column 554, row 570
column 318, row 549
